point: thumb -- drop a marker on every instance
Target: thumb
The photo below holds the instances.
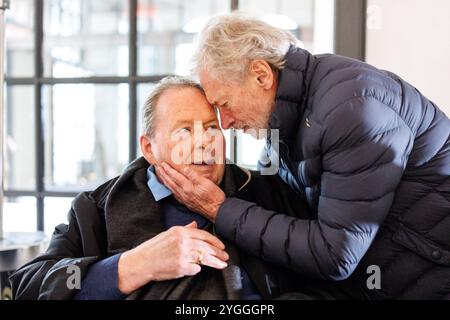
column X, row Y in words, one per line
column 193, row 224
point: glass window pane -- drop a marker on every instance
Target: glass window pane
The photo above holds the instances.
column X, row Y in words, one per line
column 19, row 39
column 85, row 38
column 248, row 150
column 86, row 134
column 55, row 212
column 20, row 145
column 19, row 214
column 311, row 21
column 166, row 32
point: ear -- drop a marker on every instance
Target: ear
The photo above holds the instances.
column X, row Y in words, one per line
column 146, row 149
column 262, row 73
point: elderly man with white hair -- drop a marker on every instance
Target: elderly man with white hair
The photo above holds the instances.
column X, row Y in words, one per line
column 368, row 152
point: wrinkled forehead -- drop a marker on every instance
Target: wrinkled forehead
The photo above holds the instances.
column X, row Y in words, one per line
column 185, row 104
column 214, row 88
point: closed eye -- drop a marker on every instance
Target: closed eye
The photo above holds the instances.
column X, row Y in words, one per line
column 185, row 129
column 183, row 132
column 223, row 105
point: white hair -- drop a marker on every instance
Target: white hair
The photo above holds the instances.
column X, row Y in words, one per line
column 229, row 43
column 148, row 111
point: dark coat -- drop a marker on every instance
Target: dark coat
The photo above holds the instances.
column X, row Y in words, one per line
column 371, row 156
column 122, row 213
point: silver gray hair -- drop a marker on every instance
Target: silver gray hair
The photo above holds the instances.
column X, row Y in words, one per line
column 229, row 43
column 148, row 111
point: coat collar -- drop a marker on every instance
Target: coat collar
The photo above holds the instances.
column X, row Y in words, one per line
column 133, row 216
column 290, row 98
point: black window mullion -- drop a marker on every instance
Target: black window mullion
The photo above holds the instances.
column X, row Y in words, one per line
column 39, row 132
column 350, row 28
column 234, row 5
column 132, row 91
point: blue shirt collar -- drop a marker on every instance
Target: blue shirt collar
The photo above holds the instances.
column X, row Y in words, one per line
column 159, row 190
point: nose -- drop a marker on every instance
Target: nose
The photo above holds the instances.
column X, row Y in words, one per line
column 226, row 119
column 201, row 138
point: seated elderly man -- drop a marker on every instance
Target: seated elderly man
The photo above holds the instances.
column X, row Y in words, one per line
column 130, row 238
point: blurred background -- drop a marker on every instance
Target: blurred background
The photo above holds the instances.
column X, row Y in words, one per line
column 78, row 72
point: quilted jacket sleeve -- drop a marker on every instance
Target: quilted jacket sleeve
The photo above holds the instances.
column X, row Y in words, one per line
column 365, row 146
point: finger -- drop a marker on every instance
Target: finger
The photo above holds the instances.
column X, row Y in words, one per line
column 205, row 247
column 193, row 224
column 192, row 269
column 169, row 183
column 213, row 262
column 193, row 176
column 176, row 188
column 161, row 174
column 174, row 175
column 205, row 236
column 206, row 259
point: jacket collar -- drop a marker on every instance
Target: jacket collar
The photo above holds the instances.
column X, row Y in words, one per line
column 132, row 215
column 290, row 98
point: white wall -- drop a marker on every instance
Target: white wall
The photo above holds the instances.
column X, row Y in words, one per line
column 412, row 39
column 323, row 26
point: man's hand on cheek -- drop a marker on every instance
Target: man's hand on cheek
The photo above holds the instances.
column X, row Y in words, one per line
column 199, row 194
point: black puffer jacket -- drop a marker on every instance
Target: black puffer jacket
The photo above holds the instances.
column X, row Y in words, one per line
column 371, row 155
